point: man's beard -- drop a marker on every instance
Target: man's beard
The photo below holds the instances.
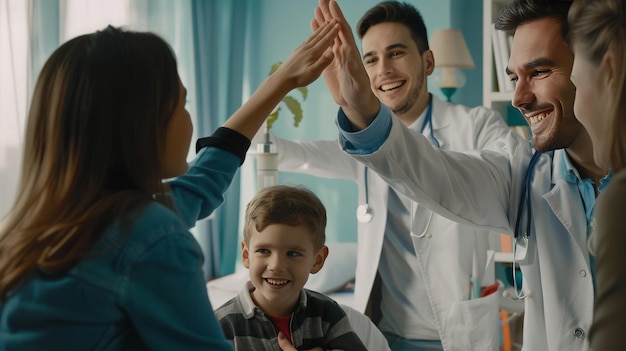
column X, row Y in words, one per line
column 413, row 96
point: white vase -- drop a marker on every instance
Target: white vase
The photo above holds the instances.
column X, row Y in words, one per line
column 266, row 165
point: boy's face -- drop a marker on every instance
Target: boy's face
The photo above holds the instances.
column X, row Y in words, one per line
column 541, row 65
column 280, row 259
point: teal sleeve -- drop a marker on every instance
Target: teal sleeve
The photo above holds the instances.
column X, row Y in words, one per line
column 368, row 140
column 201, row 190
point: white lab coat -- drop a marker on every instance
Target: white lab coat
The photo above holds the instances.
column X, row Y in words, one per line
column 484, row 189
column 447, row 251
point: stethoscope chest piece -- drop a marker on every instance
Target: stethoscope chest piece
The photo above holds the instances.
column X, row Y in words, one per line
column 364, row 213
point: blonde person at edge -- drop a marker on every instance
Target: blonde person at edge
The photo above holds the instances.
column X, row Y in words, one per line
column 597, row 34
column 96, row 254
column 486, row 188
column 418, row 287
column 284, row 235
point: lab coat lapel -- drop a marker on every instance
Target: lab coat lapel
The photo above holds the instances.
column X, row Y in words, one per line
column 370, row 240
column 441, row 120
column 564, row 199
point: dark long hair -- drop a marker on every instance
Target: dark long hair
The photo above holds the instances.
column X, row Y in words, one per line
column 93, row 142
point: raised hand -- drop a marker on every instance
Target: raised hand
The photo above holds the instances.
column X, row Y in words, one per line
column 345, row 76
column 303, row 66
column 307, row 61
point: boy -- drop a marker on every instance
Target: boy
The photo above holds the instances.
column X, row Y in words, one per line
column 284, row 242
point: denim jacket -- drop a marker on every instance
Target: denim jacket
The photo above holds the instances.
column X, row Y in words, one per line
column 142, row 286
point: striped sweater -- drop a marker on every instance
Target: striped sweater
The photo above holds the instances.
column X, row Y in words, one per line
column 317, row 321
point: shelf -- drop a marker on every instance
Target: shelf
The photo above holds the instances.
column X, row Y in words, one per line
column 500, row 96
column 497, row 100
column 503, row 257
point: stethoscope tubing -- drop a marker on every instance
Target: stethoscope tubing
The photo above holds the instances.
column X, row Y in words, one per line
column 518, row 235
column 364, row 212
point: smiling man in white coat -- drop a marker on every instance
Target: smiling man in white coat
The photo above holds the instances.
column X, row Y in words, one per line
column 413, row 266
column 545, row 198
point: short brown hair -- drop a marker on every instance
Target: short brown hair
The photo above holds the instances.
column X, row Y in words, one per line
column 290, row 205
column 518, row 12
column 396, row 12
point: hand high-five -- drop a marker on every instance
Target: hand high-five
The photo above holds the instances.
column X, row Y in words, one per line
column 303, row 66
column 346, row 77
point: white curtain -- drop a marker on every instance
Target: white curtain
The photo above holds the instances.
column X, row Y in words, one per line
column 13, row 94
column 31, row 29
column 25, row 42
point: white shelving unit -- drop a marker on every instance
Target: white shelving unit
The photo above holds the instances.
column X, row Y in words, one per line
column 492, row 97
column 495, row 99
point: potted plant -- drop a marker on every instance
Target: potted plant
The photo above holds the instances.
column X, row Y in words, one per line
column 289, row 101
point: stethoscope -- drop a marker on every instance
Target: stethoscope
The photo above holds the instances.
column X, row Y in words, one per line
column 364, row 213
column 520, row 236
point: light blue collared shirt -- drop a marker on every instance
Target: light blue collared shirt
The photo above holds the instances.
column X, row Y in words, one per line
column 569, row 173
column 368, row 140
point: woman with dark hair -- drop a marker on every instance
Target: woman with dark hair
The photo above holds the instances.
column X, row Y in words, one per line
column 95, row 253
column 597, row 30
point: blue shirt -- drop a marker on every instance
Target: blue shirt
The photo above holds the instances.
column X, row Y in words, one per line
column 143, row 286
column 565, row 170
column 368, row 140
column 569, row 173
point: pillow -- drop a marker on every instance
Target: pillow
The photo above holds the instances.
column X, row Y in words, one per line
column 339, row 268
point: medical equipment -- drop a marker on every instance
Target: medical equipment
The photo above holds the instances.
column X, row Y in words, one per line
column 423, row 233
column 520, row 239
column 364, row 212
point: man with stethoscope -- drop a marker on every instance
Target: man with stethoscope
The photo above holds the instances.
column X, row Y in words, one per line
column 545, row 198
column 414, row 267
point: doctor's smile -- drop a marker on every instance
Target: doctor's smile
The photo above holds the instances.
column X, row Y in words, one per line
column 538, row 117
column 540, row 123
column 391, row 86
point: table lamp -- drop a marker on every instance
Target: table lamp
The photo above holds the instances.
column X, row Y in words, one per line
column 451, row 54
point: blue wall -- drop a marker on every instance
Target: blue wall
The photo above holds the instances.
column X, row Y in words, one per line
column 467, row 15
column 283, row 24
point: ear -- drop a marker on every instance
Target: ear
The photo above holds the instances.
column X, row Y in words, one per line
column 320, row 258
column 245, row 254
column 608, row 67
column 428, row 60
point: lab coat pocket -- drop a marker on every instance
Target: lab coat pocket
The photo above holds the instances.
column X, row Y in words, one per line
column 474, row 324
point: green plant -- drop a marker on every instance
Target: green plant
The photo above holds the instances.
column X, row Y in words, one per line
column 292, row 104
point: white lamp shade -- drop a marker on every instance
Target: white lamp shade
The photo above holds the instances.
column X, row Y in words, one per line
column 450, row 49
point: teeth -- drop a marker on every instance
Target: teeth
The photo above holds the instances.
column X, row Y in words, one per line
column 277, row 281
column 537, row 118
column 386, row 87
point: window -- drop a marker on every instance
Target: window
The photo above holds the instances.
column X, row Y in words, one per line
column 25, row 45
